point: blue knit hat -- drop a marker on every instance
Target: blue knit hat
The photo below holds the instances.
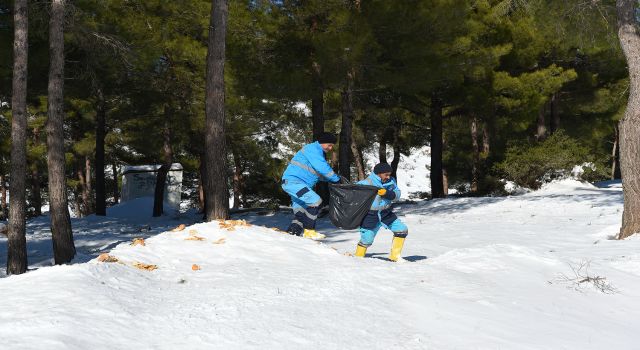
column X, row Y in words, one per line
column 382, row 168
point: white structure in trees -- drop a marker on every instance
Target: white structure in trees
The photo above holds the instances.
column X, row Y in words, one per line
column 140, row 181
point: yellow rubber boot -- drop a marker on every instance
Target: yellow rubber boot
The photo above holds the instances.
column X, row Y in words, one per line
column 313, row 234
column 396, row 247
column 361, row 250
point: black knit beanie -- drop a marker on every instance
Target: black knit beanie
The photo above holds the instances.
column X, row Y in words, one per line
column 327, row 137
column 382, row 168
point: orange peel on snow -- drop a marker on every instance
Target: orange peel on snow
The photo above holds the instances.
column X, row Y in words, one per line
column 138, row 241
column 179, row 228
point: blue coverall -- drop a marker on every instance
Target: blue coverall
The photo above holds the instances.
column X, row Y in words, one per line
column 306, row 168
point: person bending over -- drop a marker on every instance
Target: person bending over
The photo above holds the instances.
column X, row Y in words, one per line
column 306, row 168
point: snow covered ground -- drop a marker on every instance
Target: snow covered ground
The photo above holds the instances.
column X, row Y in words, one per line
column 479, row 273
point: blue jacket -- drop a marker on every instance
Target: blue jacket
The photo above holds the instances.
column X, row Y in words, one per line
column 393, row 192
column 380, row 211
column 310, row 166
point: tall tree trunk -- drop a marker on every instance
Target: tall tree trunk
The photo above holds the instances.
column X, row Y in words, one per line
column 3, row 198
column 358, row 160
column 445, row 181
column 395, row 135
column 116, row 185
column 201, row 174
column 541, row 129
column 475, row 154
column 63, row 247
column 317, row 116
column 36, row 193
column 382, row 151
column 161, row 175
column 396, row 161
column 17, row 243
column 317, row 102
column 555, row 113
column 614, row 152
column 630, row 124
column 101, row 200
column 437, row 185
column 486, row 138
column 346, row 130
column 88, row 188
column 80, row 191
column 216, row 191
column 237, row 179
column 334, row 161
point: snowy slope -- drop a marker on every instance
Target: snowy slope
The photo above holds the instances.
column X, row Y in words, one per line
column 95, row 234
column 480, row 273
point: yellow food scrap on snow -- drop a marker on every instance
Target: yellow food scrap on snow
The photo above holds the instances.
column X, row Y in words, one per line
column 143, row 266
column 138, row 241
column 105, row 257
column 179, row 228
column 194, row 238
column 230, row 225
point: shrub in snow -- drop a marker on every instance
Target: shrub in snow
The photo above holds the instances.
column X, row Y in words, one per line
column 555, row 158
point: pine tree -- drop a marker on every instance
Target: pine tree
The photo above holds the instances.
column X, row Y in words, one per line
column 630, row 125
column 63, row 247
column 215, row 182
column 17, row 250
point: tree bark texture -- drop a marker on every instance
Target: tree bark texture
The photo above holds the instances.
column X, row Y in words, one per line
column 63, row 247
column 216, row 190
column 88, row 193
column 437, row 184
column 36, row 192
column 445, row 182
column 475, row 154
column 614, row 152
column 201, row 173
column 629, row 36
column 346, row 130
column 238, row 180
column 395, row 135
column 317, row 102
column 3, row 198
column 116, row 185
column 161, row 175
column 396, row 161
column 17, row 243
column 382, row 151
column 541, row 127
column 101, row 200
column 555, row 113
column 357, row 157
column 84, row 190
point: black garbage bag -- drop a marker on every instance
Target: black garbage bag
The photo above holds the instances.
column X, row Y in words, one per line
column 349, row 203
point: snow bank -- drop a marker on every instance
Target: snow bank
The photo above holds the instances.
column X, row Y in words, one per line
column 563, row 186
column 138, row 208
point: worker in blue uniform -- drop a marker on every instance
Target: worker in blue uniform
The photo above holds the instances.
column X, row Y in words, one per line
column 306, row 168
